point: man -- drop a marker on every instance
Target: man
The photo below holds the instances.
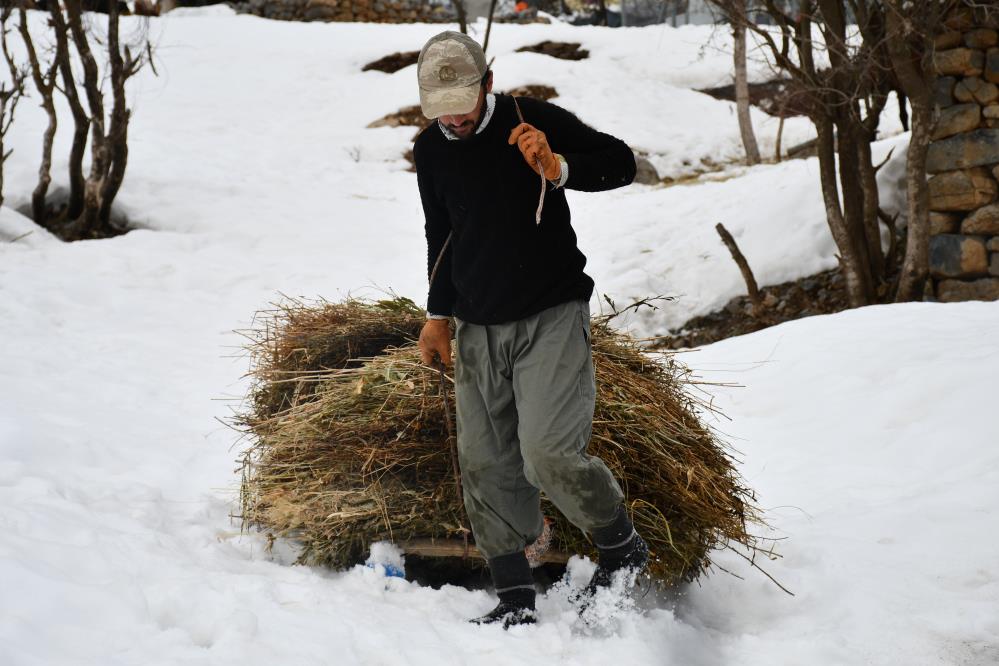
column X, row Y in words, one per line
column 524, row 380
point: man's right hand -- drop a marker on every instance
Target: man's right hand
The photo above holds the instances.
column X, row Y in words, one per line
column 435, row 341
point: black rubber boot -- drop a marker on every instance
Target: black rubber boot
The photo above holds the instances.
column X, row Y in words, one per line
column 515, row 607
column 515, row 589
column 622, row 553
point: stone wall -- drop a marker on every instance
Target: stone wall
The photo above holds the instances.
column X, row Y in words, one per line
column 963, row 159
column 374, row 11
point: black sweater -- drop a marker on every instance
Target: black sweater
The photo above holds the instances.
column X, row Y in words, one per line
column 500, row 265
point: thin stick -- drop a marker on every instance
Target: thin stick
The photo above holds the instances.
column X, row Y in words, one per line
column 453, row 441
column 541, row 170
column 440, row 256
column 758, row 567
column 740, row 260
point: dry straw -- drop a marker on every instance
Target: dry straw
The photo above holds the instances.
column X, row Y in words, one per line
column 349, row 442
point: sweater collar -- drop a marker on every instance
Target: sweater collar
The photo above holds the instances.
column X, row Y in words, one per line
column 490, row 107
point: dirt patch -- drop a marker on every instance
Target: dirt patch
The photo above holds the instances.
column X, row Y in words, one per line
column 561, row 50
column 394, row 62
column 822, row 293
column 774, row 97
column 537, row 91
column 409, row 116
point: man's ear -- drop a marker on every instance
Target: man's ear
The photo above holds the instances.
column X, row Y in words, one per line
column 489, row 83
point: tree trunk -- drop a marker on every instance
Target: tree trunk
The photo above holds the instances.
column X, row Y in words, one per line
column 908, row 52
column 81, row 122
column 853, row 199
column 850, row 263
column 742, row 90
column 489, row 25
column 915, row 266
column 869, row 182
column 459, row 8
column 872, row 203
column 89, row 220
column 117, row 139
column 780, row 136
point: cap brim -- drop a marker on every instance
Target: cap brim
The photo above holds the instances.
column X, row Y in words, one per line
column 449, row 101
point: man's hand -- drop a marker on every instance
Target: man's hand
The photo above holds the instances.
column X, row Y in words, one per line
column 435, row 341
column 534, row 146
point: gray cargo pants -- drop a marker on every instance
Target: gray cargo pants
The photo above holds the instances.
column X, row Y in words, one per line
column 525, row 394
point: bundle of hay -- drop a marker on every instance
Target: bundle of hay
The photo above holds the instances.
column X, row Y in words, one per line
column 350, row 445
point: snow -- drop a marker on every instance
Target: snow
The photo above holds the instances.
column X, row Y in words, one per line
column 867, row 435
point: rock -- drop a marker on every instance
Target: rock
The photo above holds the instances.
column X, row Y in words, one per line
column 953, row 291
column 957, row 119
column 994, row 264
column 992, row 66
column 985, row 220
column 962, row 190
column 943, row 91
column 947, row 40
column 955, row 255
column 974, row 89
column 971, row 149
column 646, row 173
column 992, row 123
column 944, row 223
column 959, row 62
column 992, row 245
column 981, row 38
column 991, row 111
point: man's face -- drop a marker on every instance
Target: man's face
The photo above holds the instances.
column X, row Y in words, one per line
column 464, row 125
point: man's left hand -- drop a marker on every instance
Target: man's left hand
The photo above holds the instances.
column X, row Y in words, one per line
column 534, row 146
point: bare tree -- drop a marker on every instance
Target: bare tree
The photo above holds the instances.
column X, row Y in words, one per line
column 844, row 100
column 87, row 213
column 733, row 10
column 742, row 96
column 11, row 92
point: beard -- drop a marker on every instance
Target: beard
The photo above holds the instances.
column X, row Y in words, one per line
column 465, row 130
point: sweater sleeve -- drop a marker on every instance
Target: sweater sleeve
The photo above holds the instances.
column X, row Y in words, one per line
column 597, row 161
column 441, row 294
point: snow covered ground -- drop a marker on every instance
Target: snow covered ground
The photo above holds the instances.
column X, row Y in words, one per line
column 866, row 434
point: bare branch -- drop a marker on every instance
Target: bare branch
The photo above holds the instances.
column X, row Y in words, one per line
column 9, row 96
column 45, row 84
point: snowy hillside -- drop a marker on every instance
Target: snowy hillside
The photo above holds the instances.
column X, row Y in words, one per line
column 867, row 434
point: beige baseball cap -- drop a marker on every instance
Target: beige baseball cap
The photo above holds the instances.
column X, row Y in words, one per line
column 450, row 70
